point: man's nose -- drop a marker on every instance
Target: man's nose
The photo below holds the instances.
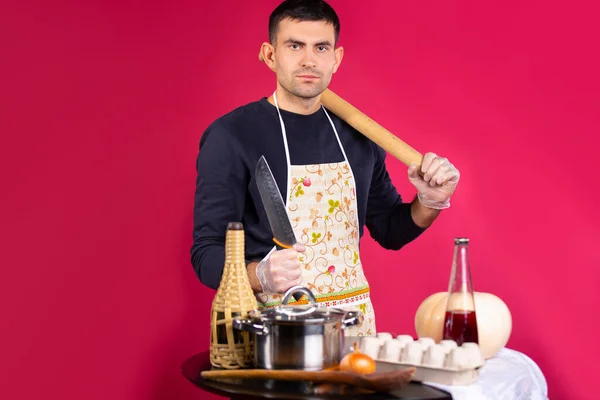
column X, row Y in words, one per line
column 308, row 60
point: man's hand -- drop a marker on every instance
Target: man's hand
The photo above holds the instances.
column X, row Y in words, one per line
column 281, row 270
column 438, row 182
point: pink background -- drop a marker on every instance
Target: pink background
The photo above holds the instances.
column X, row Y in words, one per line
column 102, row 107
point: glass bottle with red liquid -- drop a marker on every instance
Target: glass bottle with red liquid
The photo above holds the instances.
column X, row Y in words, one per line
column 460, row 322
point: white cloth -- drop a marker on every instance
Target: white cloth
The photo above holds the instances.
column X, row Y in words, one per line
column 509, row 375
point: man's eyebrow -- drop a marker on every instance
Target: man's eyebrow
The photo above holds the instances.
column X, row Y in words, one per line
column 301, row 43
column 294, row 41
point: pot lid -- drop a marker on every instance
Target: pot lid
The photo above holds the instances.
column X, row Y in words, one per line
column 301, row 313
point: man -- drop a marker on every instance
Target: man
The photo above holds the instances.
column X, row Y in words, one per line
column 333, row 179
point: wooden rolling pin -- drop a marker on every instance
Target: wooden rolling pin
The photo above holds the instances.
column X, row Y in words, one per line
column 371, row 129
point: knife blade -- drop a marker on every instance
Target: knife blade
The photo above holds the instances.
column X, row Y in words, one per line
column 283, row 233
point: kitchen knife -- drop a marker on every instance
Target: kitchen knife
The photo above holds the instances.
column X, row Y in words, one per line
column 283, row 233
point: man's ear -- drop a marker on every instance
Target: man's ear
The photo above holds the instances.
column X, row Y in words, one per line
column 267, row 54
column 339, row 54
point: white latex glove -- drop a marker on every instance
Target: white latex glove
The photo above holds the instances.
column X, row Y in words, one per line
column 281, row 270
column 438, row 183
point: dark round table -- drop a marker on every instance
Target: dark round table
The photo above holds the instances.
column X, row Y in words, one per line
column 248, row 389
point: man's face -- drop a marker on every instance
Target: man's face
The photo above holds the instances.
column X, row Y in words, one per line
column 305, row 57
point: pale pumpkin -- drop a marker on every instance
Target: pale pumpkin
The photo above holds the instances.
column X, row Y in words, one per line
column 494, row 320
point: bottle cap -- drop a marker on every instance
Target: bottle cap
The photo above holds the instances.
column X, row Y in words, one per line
column 235, row 226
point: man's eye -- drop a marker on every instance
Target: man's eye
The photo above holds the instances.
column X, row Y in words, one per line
column 321, row 49
column 294, row 46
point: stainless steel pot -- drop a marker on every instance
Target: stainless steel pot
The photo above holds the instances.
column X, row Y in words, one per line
column 307, row 337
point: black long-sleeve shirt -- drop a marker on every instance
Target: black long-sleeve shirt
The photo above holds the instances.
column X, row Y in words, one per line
column 226, row 190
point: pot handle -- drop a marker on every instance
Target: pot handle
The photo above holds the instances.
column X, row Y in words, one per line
column 249, row 326
column 352, row 318
column 296, row 289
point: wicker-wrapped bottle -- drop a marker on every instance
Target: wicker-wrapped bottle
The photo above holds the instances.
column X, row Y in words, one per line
column 231, row 348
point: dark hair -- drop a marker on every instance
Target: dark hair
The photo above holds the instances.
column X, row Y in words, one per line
column 303, row 10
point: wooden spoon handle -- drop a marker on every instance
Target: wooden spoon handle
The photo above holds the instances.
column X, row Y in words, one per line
column 291, row 375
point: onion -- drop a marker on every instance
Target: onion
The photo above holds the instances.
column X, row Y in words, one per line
column 358, row 362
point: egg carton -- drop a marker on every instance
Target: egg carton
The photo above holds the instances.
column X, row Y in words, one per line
column 444, row 362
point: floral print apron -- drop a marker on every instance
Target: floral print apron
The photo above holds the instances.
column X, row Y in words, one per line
column 321, row 205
